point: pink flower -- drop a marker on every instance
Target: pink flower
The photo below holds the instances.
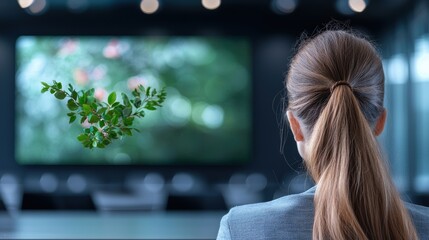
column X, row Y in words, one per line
column 100, row 94
column 80, row 76
column 98, row 72
column 68, row 47
column 135, row 81
column 86, row 124
column 112, row 50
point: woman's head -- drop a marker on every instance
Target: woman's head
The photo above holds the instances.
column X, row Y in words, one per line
column 324, row 60
column 335, row 88
column 330, row 57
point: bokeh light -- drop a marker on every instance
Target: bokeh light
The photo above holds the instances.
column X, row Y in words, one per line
column 25, row 3
column 211, row 4
column 149, row 6
column 77, row 6
column 37, row 7
column 357, row 5
column 284, row 6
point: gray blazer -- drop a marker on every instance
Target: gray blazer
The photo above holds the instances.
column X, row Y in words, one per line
column 290, row 217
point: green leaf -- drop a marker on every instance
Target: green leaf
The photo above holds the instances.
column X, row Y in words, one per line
column 125, row 99
column 72, row 119
column 108, row 116
column 45, row 89
column 127, row 131
column 86, row 108
column 138, row 102
column 82, row 99
column 90, row 92
column 150, row 107
column 72, row 105
column 115, row 119
column 87, row 144
column 113, row 135
column 128, row 121
column 112, row 98
column 141, row 113
column 74, row 95
column 136, row 93
column 82, row 119
column 94, row 119
column 126, row 112
column 147, row 91
column 99, row 136
column 60, row 95
column 90, row 99
column 101, row 110
column 82, row 137
column 45, row 84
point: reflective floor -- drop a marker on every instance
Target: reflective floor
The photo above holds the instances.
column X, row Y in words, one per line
column 84, row 225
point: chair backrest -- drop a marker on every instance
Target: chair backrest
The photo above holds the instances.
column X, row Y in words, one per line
column 2, row 205
column 45, row 201
column 207, row 201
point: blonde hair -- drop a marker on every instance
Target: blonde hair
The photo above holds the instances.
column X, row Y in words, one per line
column 355, row 196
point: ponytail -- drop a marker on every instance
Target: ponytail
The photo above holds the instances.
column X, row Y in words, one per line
column 355, row 197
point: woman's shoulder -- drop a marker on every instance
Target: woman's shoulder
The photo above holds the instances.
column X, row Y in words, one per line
column 419, row 213
column 418, row 210
column 420, row 216
column 283, row 204
column 291, row 215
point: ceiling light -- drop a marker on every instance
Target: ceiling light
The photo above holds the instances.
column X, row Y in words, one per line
column 284, row 6
column 37, row 7
column 149, row 6
column 357, row 5
column 25, row 3
column 211, row 4
column 77, row 6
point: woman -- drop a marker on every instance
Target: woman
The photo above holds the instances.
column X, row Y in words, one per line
column 335, row 88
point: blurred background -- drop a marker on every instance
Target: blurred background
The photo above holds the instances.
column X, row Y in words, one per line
column 220, row 139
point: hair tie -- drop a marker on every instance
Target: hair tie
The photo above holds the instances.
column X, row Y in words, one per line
column 341, row 83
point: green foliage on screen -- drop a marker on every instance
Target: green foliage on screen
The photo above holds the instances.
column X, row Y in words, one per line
column 206, row 118
column 105, row 121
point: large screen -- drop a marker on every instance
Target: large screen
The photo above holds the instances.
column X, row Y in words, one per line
column 206, row 118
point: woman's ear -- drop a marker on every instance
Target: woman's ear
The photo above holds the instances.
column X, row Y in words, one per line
column 381, row 121
column 294, row 125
